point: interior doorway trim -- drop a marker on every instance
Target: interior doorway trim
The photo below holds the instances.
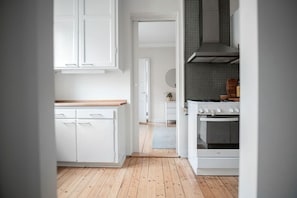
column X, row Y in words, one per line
column 153, row 17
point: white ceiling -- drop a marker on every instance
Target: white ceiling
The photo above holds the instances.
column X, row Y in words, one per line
column 156, row 34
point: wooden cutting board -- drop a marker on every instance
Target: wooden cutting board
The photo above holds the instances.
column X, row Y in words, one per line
column 234, row 99
column 231, row 87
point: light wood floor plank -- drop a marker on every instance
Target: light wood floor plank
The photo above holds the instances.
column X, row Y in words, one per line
column 159, row 178
column 96, row 187
column 178, row 188
column 204, row 187
column 106, row 188
column 190, row 189
column 143, row 185
column 119, row 177
column 93, row 183
column 67, row 187
column 126, row 183
column 151, row 178
column 217, row 187
column 86, row 176
column 133, row 189
column 231, row 183
column 168, row 184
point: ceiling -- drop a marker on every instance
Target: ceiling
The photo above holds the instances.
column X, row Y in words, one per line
column 156, row 34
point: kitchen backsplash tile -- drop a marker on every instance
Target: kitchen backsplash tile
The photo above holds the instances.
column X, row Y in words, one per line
column 208, row 81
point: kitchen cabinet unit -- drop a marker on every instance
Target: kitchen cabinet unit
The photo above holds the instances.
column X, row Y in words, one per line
column 85, row 34
column 96, row 136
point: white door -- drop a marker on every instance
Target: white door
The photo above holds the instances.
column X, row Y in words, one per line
column 97, row 33
column 143, row 89
column 65, row 34
column 66, row 140
column 95, row 140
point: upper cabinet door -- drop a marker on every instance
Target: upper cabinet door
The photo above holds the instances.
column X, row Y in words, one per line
column 66, row 33
column 97, row 33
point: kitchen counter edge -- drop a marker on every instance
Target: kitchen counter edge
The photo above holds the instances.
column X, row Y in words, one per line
column 81, row 103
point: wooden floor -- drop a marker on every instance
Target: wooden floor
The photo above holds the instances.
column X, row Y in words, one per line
column 147, row 174
column 145, row 143
column 143, row 177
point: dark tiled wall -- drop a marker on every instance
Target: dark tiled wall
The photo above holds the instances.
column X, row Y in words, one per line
column 203, row 80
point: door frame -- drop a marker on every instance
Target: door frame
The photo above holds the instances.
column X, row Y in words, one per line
column 155, row 17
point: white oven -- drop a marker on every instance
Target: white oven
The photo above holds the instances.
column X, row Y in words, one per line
column 218, row 132
column 213, row 131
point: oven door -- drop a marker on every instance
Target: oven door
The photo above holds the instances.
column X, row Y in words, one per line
column 218, row 132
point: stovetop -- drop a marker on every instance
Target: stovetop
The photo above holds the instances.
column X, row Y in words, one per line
column 216, row 107
column 213, row 100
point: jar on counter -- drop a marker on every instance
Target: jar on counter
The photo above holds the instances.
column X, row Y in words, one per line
column 238, row 90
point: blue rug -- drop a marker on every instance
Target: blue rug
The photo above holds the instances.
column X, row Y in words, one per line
column 164, row 138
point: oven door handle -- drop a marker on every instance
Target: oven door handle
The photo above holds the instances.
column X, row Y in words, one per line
column 232, row 119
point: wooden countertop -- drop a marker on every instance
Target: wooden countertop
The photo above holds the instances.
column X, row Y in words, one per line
column 67, row 103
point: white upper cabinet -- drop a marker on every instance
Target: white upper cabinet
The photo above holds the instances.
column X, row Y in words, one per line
column 85, row 34
column 97, row 38
column 66, row 33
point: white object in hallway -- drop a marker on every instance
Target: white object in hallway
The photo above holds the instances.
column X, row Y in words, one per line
column 170, row 111
column 143, row 89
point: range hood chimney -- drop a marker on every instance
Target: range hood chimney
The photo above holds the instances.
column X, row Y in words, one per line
column 213, row 49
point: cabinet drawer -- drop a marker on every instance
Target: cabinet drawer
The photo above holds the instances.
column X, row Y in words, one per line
column 171, row 117
column 95, row 113
column 171, row 111
column 171, row 105
column 218, row 153
column 64, row 113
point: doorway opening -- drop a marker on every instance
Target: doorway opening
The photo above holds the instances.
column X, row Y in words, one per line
column 154, row 75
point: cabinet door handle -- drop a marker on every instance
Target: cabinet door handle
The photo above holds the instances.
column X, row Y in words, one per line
column 85, row 64
column 68, row 123
column 95, row 115
column 85, row 123
column 60, row 114
column 70, row 64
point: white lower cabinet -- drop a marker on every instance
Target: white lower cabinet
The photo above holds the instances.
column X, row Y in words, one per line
column 66, row 140
column 95, row 140
column 94, row 137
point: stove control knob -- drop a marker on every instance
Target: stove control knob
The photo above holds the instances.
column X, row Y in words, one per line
column 206, row 110
column 200, row 111
column 219, row 110
column 231, row 110
column 236, row 110
column 213, row 112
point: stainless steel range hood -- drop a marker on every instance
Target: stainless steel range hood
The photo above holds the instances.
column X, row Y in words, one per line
column 212, row 50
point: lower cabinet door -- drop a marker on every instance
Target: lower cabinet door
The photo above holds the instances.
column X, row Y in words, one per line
column 95, row 140
column 66, row 140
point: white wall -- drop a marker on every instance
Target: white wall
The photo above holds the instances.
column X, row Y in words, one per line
column 111, row 85
column 162, row 59
column 268, row 99
column 27, row 145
